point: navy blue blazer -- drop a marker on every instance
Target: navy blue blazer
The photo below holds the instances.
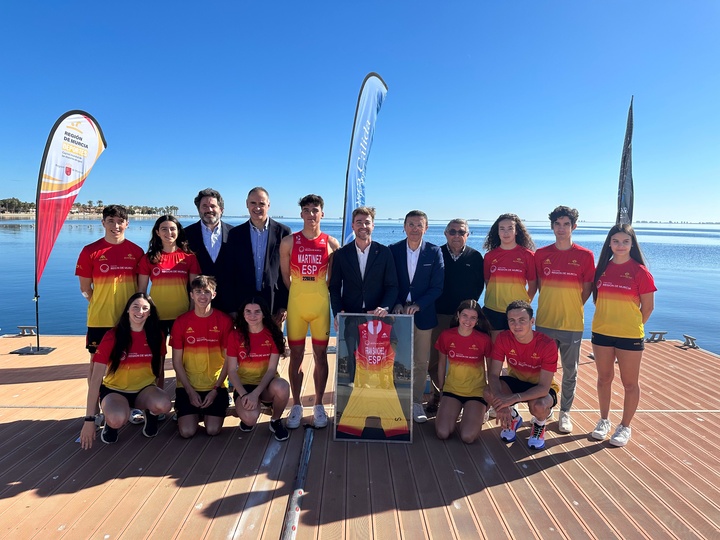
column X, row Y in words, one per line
column 220, row 269
column 427, row 284
column 273, row 289
column 349, row 290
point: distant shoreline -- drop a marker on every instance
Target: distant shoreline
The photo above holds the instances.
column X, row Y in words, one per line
column 77, row 216
column 92, row 215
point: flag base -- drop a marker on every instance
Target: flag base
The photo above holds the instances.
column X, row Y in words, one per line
column 33, row 350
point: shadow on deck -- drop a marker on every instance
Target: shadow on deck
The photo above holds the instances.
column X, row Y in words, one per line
column 663, row 485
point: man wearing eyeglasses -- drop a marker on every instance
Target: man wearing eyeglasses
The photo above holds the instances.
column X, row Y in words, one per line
column 464, row 280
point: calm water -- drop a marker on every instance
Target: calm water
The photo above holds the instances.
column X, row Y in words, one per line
column 684, row 259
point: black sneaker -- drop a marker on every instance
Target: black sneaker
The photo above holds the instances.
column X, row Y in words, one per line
column 244, row 427
column 109, row 435
column 276, row 426
column 151, row 424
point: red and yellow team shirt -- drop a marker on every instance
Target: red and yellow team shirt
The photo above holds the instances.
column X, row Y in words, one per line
column 309, row 264
column 252, row 364
column 169, row 281
column 526, row 360
column 375, row 355
column 466, row 361
column 617, row 309
column 203, row 341
column 112, row 268
column 135, row 370
column 562, row 274
column 507, row 272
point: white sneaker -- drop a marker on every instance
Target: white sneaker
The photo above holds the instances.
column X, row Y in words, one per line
column 296, row 414
column 486, row 417
column 419, row 413
column 601, row 429
column 622, row 436
column 564, row 423
column 137, row 416
column 319, row 416
column 491, row 412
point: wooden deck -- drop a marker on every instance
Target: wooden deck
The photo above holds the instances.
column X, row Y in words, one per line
column 665, row 484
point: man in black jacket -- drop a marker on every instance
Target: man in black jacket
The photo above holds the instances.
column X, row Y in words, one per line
column 255, row 249
column 363, row 279
column 464, row 280
column 208, row 238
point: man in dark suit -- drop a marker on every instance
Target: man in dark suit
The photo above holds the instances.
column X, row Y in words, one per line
column 363, row 279
column 208, row 238
column 421, row 272
column 255, row 249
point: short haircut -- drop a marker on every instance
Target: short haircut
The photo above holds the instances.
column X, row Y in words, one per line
column 564, row 211
column 312, row 199
column 204, row 282
column 416, row 213
column 115, row 210
column 364, row 210
column 520, row 304
column 209, row 192
column 459, row 221
column 258, row 189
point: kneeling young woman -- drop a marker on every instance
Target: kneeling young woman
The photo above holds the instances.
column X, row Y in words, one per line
column 464, row 347
column 125, row 373
column 253, row 353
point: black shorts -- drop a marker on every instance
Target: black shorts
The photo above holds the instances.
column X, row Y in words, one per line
column 94, row 337
column 517, row 386
column 130, row 396
column 249, row 388
column 218, row 407
column 464, row 399
column 497, row 320
column 624, row 344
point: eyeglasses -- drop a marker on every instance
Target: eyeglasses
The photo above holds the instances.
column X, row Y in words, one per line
column 454, row 232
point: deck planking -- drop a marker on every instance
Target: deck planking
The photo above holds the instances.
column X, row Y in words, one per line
column 663, row 485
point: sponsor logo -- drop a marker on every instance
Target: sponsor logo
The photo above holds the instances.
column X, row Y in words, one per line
column 104, row 268
column 156, row 271
column 190, row 340
column 451, row 354
column 68, row 170
column 546, row 270
column 493, row 268
column 242, row 355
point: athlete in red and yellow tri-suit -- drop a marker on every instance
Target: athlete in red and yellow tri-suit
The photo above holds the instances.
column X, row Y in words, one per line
column 374, row 391
column 309, row 300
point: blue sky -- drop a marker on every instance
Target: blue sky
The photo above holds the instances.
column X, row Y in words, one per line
column 492, row 106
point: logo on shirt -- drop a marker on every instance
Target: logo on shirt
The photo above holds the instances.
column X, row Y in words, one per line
column 190, row 340
column 451, row 354
column 130, row 257
column 546, row 270
column 473, row 347
column 297, row 239
column 215, row 329
column 104, row 268
column 156, row 271
column 574, row 263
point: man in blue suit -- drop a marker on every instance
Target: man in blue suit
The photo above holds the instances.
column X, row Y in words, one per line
column 421, row 273
column 363, row 279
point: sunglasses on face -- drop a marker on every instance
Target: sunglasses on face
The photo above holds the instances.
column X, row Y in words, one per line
column 455, row 232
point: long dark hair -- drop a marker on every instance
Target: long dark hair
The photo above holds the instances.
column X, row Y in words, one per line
column 482, row 324
column 155, row 247
column 606, row 252
column 243, row 329
column 522, row 236
column 123, row 336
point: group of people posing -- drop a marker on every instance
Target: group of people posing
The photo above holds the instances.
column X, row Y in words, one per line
column 263, row 276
